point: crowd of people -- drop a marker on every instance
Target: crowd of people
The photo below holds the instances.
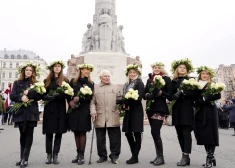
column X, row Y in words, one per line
column 102, row 104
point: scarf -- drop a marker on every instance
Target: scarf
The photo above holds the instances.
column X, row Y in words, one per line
column 202, row 83
column 129, row 85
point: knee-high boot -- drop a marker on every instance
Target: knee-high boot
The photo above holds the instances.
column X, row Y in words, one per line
column 160, row 157
column 151, row 162
column 21, row 155
column 210, row 159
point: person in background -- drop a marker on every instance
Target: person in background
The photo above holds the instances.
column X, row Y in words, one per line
column 224, row 116
column 2, row 111
column 231, row 109
column 10, row 113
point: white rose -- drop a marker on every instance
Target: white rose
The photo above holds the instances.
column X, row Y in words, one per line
column 43, row 90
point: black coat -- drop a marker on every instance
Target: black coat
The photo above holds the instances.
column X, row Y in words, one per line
column 159, row 105
column 182, row 110
column 54, row 116
column 206, row 121
column 80, row 119
column 31, row 112
column 133, row 118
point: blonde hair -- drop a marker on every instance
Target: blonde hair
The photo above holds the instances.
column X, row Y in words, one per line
column 200, row 77
column 176, row 73
column 162, row 69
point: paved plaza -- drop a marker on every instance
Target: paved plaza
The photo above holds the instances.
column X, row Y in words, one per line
column 9, row 150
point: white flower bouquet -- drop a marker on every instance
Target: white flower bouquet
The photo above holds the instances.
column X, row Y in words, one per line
column 83, row 93
column 64, row 88
column 214, row 88
column 38, row 87
column 190, row 84
column 132, row 94
column 158, row 83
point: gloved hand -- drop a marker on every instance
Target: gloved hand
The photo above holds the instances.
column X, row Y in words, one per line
column 49, row 98
column 149, row 96
column 155, row 92
column 120, row 101
column 55, row 95
column 177, row 95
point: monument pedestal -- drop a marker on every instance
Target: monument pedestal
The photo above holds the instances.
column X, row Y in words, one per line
column 111, row 61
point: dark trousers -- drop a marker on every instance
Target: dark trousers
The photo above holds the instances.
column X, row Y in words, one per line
column 49, row 143
column 114, row 134
column 9, row 118
column 156, row 126
column 26, row 141
column 184, row 137
column 134, row 139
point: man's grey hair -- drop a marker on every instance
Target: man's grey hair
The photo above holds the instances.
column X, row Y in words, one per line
column 105, row 72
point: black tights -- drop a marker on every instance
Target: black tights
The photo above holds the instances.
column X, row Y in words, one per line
column 134, row 140
column 26, row 141
column 156, row 126
column 80, row 139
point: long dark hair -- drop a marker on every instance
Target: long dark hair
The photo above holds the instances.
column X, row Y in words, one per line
column 60, row 79
column 79, row 76
column 32, row 78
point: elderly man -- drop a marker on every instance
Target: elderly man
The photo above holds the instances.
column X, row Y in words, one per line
column 106, row 115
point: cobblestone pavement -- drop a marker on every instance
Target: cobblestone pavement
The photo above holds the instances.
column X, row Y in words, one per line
column 9, row 150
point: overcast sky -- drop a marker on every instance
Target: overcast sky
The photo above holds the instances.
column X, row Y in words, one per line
column 202, row 30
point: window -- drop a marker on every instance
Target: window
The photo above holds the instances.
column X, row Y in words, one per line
column 3, row 74
column 17, row 64
column 19, row 57
column 10, row 65
column 12, row 56
column 6, row 56
column 3, row 84
column 16, row 74
column 4, row 64
column 10, row 74
column 25, row 57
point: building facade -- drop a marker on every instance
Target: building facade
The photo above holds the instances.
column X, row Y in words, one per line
column 226, row 74
column 10, row 60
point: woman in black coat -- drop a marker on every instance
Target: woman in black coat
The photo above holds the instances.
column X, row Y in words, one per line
column 133, row 118
column 182, row 110
column 158, row 109
column 206, row 118
column 54, row 116
column 79, row 119
column 27, row 117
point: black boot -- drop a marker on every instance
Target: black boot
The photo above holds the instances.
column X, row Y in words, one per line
column 81, row 159
column 76, row 159
column 21, row 154
column 49, row 158
column 55, row 158
column 184, row 161
column 25, row 156
column 210, row 159
column 23, row 163
column 134, row 159
column 137, row 146
column 151, row 162
column 160, row 157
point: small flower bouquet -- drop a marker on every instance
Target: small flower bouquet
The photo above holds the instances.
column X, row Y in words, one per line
column 158, row 83
column 83, row 93
column 190, row 84
column 64, row 88
column 132, row 94
column 38, row 87
column 214, row 88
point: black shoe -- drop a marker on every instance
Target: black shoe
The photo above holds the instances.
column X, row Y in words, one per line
column 102, row 159
column 81, row 160
column 132, row 160
column 213, row 160
column 18, row 163
column 114, row 161
column 76, row 159
column 1, row 128
column 55, row 159
column 184, row 161
column 23, row 163
column 49, row 159
column 151, row 162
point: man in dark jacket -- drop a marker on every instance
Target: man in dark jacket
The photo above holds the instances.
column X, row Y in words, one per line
column 231, row 109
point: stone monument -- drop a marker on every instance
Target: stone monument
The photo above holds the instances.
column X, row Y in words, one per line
column 103, row 45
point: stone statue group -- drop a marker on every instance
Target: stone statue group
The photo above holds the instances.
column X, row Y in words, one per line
column 104, row 34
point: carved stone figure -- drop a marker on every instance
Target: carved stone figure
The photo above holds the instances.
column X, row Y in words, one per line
column 138, row 62
column 97, row 42
column 105, row 30
column 121, row 43
column 86, row 40
column 114, row 43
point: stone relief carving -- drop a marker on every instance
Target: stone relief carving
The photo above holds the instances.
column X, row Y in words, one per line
column 86, row 40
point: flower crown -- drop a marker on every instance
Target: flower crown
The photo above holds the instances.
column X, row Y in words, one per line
column 88, row 66
column 49, row 67
column 26, row 64
column 205, row 68
column 186, row 62
column 132, row 66
column 157, row 64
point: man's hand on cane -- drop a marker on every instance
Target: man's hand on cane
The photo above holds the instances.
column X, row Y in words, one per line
column 93, row 116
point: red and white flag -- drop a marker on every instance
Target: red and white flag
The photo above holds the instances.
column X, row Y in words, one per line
column 8, row 92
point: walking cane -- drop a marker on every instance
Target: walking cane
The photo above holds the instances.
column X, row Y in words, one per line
column 92, row 141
